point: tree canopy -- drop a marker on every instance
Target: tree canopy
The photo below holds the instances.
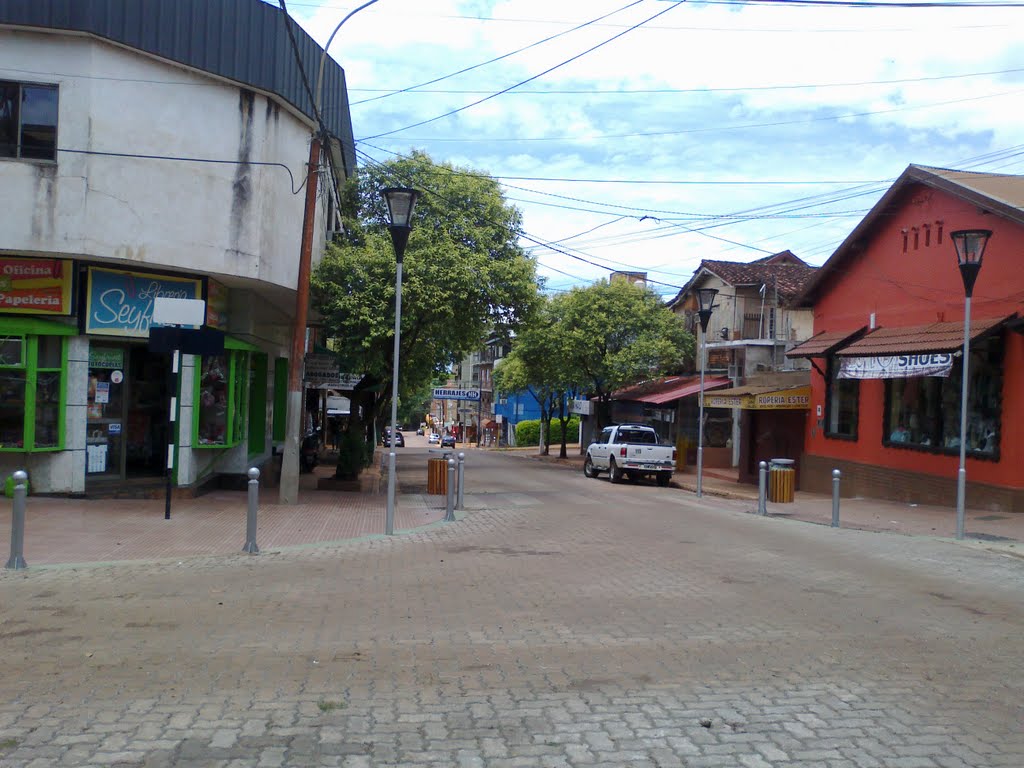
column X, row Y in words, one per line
column 464, row 273
column 596, row 340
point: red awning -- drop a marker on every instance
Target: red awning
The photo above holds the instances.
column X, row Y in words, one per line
column 691, row 387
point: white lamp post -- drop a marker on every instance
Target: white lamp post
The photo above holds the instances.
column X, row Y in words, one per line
column 706, row 301
column 401, row 203
column 970, row 247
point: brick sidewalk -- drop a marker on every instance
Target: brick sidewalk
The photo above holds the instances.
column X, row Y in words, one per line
column 73, row 530
column 1004, row 528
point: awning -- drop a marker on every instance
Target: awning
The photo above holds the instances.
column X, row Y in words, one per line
column 824, row 344
column 690, row 387
column 910, row 351
column 762, row 398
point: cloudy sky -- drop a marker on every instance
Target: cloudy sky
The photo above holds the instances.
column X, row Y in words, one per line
column 647, row 135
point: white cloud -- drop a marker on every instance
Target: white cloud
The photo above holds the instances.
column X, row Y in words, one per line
column 863, row 130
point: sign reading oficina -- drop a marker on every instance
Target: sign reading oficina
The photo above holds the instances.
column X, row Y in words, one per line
column 440, row 393
column 121, row 303
column 36, row 286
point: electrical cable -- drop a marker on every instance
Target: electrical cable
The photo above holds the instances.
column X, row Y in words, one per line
column 675, row 4
column 499, row 58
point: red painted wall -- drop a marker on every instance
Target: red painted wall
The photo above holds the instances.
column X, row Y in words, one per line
column 916, row 287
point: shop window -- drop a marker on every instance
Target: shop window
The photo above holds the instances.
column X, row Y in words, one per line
column 924, row 412
column 32, row 397
column 221, row 397
column 842, row 404
column 28, row 120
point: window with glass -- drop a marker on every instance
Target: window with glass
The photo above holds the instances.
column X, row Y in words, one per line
column 924, row 412
column 221, row 398
column 841, row 404
column 32, row 393
column 28, row 120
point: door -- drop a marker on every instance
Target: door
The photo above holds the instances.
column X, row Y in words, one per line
column 127, row 425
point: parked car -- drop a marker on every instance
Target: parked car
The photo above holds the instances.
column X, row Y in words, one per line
column 420, row 431
column 385, row 438
column 448, row 441
column 630, row 451
column 434, row 438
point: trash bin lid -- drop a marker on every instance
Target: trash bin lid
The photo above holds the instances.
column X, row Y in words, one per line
column 783, row 462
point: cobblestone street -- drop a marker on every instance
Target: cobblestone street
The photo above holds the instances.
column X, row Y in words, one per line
column 560, row 622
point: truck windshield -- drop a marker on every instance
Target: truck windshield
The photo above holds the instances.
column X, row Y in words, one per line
column 643, row 436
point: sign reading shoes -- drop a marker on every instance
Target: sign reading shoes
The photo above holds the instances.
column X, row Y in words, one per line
column 896, row 366
column 440, row 393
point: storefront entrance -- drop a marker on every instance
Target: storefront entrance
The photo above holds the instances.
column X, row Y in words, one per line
column 127, row 413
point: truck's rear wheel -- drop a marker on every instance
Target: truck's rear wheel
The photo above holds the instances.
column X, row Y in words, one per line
column 664, row 478
column 614, row 473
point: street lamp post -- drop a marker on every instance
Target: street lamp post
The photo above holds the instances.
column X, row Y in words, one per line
column 706, row 301
column 400, row 207
column 970, row 247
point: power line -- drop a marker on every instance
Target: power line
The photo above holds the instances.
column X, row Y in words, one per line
column 675, row 4
column 499, row 58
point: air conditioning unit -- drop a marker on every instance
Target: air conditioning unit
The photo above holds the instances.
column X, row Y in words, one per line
column 734, row 371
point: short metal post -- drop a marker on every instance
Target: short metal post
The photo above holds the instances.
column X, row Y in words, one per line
column 462, row 477
column 449, row 514
column 250, row 519
column 762, row 488
column 17, row 559
column 835, row 497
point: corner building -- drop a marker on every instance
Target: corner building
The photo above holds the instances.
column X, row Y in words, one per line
column 887, row 351
column 152, row 149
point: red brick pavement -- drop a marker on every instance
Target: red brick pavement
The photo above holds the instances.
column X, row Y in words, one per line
column 66, row 530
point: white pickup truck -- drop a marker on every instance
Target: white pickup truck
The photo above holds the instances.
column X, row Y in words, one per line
column 630, row 450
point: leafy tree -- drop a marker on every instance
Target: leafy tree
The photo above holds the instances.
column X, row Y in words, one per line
column 537, row 365
column 463, row 274
column 615, row 334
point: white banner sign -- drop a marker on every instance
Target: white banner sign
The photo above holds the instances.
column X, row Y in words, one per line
column 896, row 366
column 456, row 394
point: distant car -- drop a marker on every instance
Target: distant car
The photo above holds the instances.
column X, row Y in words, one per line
column 420, row 431
column 448, row 441
column 385, row 438
column 434, row 438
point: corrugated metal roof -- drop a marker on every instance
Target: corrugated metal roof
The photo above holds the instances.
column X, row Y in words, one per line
column 245, row 41
column 823, row 344
column 908, row 340
column 668, row 389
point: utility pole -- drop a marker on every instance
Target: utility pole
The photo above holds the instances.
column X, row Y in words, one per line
column 288, row 493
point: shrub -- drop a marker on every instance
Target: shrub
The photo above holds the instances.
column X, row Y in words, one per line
column 528, row 432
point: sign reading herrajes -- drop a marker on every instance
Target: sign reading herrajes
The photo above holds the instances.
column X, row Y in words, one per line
column 36, row 286
column 120, row 303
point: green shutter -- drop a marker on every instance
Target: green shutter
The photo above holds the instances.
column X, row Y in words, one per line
column 258, row 405
column 280, row 398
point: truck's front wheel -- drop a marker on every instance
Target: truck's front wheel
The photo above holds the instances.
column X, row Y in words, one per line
column 614, row 473
column 588, row 467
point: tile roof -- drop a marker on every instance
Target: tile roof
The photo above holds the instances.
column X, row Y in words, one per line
column 789, row 278
column 823, row 343
column 934, row 337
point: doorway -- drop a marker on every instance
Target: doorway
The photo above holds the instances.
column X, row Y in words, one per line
column 127, row 425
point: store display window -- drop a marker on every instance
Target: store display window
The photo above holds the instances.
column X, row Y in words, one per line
column 842, row 403
column 924, row 412
column 33, row 379
column 222, row 397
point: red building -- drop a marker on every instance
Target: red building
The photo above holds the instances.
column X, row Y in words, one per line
column 887, row 351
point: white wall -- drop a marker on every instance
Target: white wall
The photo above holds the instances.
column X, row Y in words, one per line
column 226, row 219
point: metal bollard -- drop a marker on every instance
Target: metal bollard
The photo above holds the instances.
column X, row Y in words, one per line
column 449, row 513
column 250, row 518
column 17, row 559
column 835, row 498
column 459, row 504
column 762, row 488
